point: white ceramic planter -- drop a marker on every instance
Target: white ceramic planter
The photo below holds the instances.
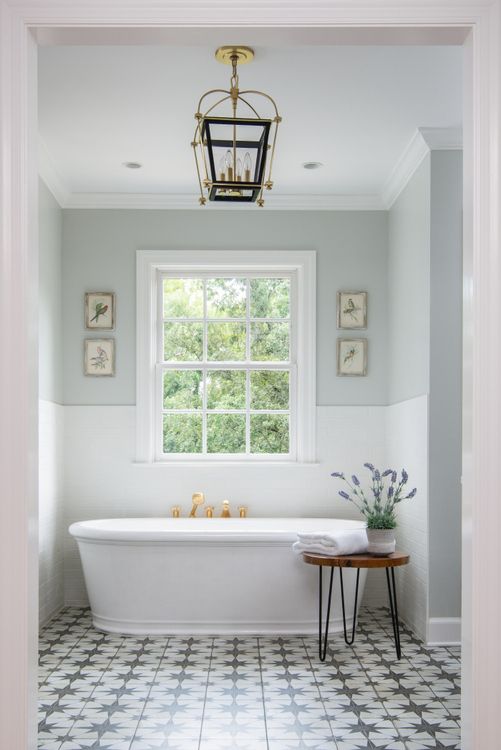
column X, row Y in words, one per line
column 381, row 541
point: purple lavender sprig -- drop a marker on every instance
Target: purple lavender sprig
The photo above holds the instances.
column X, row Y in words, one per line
column 386, row 490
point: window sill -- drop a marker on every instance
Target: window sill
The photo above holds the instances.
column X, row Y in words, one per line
column 218, row 464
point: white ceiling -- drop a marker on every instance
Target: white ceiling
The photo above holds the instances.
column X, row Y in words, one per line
column 353, row 108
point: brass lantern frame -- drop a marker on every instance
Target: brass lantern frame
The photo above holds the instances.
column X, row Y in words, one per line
column 236, row 189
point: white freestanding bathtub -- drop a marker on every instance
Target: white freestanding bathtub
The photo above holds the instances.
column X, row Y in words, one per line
column 205, row 575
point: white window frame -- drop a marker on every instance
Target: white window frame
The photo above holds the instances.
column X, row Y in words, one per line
column 298, row 265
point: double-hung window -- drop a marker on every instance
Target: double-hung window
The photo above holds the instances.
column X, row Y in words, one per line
column 223, row 356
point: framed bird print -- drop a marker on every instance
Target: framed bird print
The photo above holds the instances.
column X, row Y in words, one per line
column 99, row 357
column 100, row 311
column 352, row 357
column 352, row 309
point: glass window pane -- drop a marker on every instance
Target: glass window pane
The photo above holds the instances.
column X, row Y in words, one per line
column 226, row 298
column 269, row 389
column 183, row 342
column 183, row 298
column 270, row 342
column 226, row 342
column 269, row 298
column 226, row 389
column 182, row 433
column 183, row 389
column 269, row 433
column 226, row 433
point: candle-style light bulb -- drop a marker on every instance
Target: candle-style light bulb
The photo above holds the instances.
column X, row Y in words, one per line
column 229, row 165
column 239, row 170
column 222, row 169
column 247, row 167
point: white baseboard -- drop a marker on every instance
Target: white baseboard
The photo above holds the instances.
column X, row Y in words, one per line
column 444, row 631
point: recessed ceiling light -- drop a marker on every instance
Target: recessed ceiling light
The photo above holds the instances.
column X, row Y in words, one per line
column 132, row 164
column 312, row 165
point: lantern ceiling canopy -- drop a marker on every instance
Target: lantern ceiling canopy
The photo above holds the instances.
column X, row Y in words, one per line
column 233, row 144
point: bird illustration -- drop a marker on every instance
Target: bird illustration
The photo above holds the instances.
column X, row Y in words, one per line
column 350, row 356
column 99, row 361
column 100, row 309
column 351, row 309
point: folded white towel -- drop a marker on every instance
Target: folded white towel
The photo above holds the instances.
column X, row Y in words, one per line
column 351, row 542
column 316, row 537
column 318, row 549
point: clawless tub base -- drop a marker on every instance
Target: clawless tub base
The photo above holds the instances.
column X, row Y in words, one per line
column 181, row 576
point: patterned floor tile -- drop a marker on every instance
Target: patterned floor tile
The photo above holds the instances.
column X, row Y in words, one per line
column 44, row 744
column 366, row 744
column 175, row 693
column 300, row 728
column 86, row 743
column 233, row 744
column 316, row 744
column 175, row 728
column 53, row 734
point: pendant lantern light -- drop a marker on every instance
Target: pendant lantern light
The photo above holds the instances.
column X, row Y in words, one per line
column 234, row 146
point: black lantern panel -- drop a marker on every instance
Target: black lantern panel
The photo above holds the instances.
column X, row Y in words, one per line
column 235, row 152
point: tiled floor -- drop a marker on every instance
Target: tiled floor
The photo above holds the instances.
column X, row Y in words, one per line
column 127, row 693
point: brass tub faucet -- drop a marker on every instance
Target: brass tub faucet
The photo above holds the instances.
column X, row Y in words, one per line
column 176, row 511
column 209, row 511
column 243, row 511
column 196, row 499
column 225, row 513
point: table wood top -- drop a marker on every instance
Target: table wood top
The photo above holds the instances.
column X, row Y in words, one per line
column 357, row 561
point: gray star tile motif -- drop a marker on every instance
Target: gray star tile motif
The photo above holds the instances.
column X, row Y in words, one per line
column 110, row 692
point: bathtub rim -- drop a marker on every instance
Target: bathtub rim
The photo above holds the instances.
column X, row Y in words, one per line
column 237, row 533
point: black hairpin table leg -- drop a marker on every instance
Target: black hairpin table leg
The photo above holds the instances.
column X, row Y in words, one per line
column 360, row 561
column 349, row 642
column 392, row 594
column 322, row 643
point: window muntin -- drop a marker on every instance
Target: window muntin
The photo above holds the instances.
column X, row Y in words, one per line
column 226, row 355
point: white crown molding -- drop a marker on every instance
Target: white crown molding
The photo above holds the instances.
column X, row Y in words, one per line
column 273, row 202
column 442, row 139
column 406, row 165
column 422, row 142
column 50, row 175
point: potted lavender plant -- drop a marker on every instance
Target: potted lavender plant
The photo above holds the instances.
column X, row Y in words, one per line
column 386, row 491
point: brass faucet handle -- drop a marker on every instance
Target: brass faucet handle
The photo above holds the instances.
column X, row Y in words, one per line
column 243, row 511
column 209, row 511
column 176, row 511
column 225, row 513
column 198, row 498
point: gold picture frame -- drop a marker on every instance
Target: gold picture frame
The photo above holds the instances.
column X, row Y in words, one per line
column 352, row 310
column 100, row 311
column 352, row 357
column 99, row 357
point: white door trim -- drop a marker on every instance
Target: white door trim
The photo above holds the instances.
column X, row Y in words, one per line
column 482, row 284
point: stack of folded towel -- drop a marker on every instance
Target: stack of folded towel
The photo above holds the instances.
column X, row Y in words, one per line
column 337, row 543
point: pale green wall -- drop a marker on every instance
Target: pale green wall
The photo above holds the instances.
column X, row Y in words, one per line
column 409, row 288
column 446, row 286
column 100, row 254
column 50, row 296
column 425, row 326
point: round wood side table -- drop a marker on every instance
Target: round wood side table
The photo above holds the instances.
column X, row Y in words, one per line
column 389, row 563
